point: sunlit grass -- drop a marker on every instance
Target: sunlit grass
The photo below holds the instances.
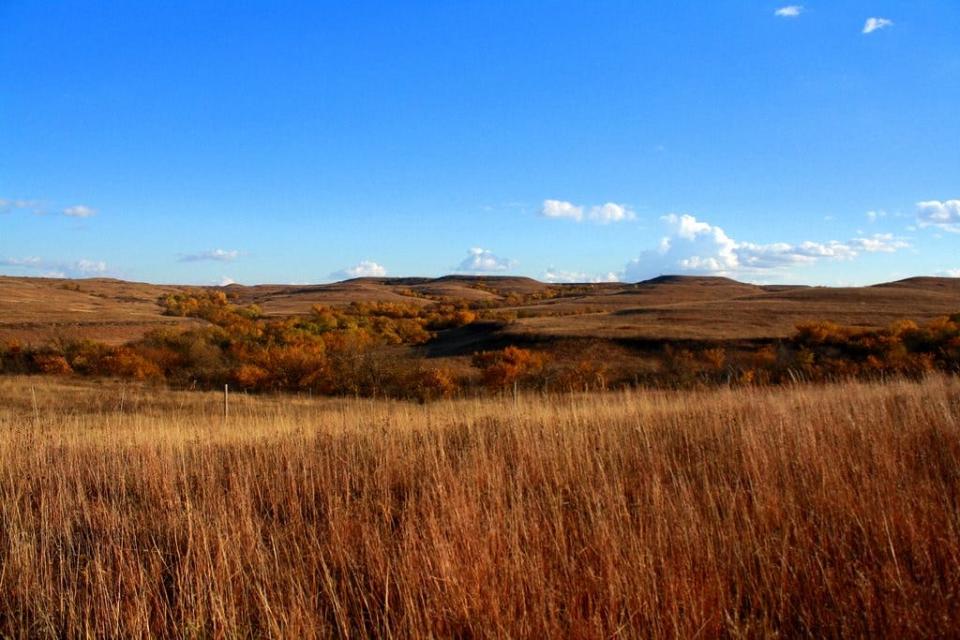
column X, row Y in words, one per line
column 818, row 511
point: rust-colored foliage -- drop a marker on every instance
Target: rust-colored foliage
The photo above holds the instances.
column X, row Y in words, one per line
column 52, row 364
column 124, row 362
column 500, row 369
column 435, row 383
column 366, row 348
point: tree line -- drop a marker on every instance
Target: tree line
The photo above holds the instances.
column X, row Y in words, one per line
column 364, row 349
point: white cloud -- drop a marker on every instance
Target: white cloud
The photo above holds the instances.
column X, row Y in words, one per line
column 561, row 209
column 79, row 211
column 52, row 269
column 879, row 243
column 27, row 263
column 226, row 281
column 951, row 273
column 363, row 269
column 944, row 215
column 216, row 255
column 873, row 216
column 8, row 205
column 601, row 213
column 875, row 24
column 90, row 266
column 611, row 212
column 791, row 11
column 698, row 248
column 483, row 261
column 558, row 276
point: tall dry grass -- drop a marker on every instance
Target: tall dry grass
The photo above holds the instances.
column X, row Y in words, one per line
column 817, row 511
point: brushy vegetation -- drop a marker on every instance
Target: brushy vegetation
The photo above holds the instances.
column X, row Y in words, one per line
column 811, row 511
column 369, row 349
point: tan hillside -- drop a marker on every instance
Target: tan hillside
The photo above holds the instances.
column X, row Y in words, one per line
column 668, row 307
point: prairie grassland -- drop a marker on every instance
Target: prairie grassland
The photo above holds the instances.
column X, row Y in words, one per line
column 815, row 511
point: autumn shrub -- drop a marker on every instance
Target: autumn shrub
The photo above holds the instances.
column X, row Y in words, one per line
column 509, row 366
column 52, row 364
column 250, row 377
column 13, row 357
column 434, row 383
column 579, row 375
column 126, row 363
column 366, row 348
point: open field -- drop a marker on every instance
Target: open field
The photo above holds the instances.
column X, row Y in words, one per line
column 129, row 511
column 666, row 308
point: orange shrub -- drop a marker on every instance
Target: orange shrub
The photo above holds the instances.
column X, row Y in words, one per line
column 716, row 358
column 435, row 383
column 125, row 362
column 500, row 369
column 250, row 377
column 52, row 364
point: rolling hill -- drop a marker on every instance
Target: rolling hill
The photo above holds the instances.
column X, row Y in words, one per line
column 666, row 308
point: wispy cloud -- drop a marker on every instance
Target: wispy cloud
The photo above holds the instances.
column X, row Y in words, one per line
column 601, row 213
column 696, row 247
column 560, row 276
column 940, row 214
column 56, row 269
column 79, row 211
column 480, row 260
column 214, row 255
column 363, row 269
column 875, row 24
column 790, row 11
column 8, row 205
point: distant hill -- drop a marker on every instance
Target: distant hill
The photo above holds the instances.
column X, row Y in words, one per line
column 943, row 285
column 666, row 307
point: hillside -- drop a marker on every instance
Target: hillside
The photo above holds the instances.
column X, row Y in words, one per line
column 669, row 307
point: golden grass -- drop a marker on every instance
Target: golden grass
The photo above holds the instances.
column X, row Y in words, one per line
column 35, row 310
column 816, row 511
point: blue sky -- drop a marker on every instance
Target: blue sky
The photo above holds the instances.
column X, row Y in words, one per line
column 201, row 142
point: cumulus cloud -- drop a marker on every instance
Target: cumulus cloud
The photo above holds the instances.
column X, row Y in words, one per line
column 611, row 212
column 951, row 273
column 875, row 24
column 480, row 260
column 363, row 269
column 601, row 213
column 696, row 247
column 215, row 255
column 79, row 211
column 873, row 216
column 561, row 209
column 54, row 269
column 944, row 215
column 790, row 11
column 878, row 243
column 559, row 276
column 226, row 281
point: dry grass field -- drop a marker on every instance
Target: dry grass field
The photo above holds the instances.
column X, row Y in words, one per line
column 129, row 511
column 666, row 308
